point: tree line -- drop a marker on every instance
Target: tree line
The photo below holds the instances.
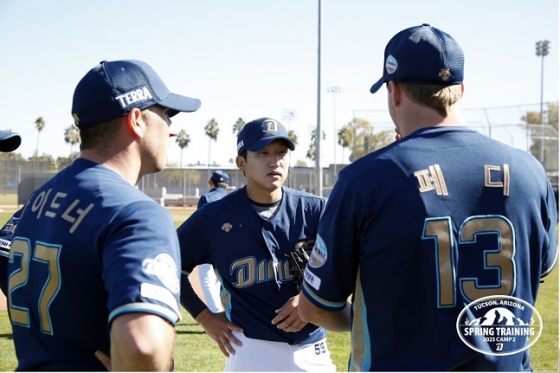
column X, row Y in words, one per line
column 358, row 137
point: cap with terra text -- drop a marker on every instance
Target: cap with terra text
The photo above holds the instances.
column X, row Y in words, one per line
column 9, row 141
column 258, row 133
column 422, row 55
column 113, row 88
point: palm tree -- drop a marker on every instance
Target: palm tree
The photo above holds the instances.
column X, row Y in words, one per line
column 312, row 147
column 72, row 137
column 361, row 135
column 183, row 140
column 40, row 125
column 292, row 135
column 345, row 137
column 238, row 126
column 211, row 130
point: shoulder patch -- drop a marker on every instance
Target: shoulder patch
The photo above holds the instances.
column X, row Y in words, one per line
column 164, row 267
column 318, row 255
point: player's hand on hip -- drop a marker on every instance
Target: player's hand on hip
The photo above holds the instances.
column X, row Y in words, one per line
column 220, row 329
column 287, row 317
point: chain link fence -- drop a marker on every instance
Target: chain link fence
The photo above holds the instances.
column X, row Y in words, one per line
column 183, row 186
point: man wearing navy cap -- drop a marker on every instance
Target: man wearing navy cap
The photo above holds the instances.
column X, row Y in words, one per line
column 94, row 261
column 209, row 283
column 9, row 141
column 218, row 183
column 248, row 236
column 441, row 238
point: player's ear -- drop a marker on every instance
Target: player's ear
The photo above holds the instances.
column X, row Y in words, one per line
column 241, row 163
column 394, row 91
column 135, row 123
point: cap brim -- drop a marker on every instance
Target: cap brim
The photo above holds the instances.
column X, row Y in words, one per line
column 177, row 103
column 377, row 85
column 9, row 141
column 263, row 143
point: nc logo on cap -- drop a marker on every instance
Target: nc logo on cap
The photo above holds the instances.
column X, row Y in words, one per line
column 269, row 126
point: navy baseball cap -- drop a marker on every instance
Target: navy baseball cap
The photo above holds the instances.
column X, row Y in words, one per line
column 258, row 133
column 9, row 141
column 219, row 176
column 422, row 55
column 112, row 88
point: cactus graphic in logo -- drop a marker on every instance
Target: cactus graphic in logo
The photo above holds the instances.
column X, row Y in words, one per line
column 499, row 325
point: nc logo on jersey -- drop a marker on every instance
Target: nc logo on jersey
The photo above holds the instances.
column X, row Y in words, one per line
column 164, row 267
column 318, row 255
column 499, row 325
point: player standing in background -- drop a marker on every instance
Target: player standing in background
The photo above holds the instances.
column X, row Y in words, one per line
column 9, row 141
column 247, row 236
column 94, row 261
column 418, row 230
column 209, row 283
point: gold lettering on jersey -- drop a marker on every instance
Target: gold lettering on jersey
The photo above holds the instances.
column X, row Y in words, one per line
column 39, row 202
column 54, row 204
column 247, row 271
column 496, row 171
column 432, row 179
column 79, row 212
column 72, row 214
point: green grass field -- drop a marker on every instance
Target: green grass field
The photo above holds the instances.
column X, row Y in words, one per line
column 196, row 352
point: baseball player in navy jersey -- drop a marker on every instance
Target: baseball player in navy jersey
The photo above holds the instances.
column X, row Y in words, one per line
column 209, row 283
column 247, row 236
column 94, row 262
column 418, row 230
column 9, row 141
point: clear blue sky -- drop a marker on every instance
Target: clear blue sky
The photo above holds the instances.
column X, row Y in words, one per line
column 254, row 58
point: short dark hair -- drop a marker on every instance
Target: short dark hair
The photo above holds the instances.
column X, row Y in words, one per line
column 99, row 135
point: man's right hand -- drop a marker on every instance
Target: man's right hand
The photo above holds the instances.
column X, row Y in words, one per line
column 219, row 328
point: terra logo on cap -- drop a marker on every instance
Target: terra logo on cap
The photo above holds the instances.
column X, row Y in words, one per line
column 113, row 88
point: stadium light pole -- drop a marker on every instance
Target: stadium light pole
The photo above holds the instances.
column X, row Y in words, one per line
column 334, row 90
column 319, row 171
column 541, row 51
column 289, row 115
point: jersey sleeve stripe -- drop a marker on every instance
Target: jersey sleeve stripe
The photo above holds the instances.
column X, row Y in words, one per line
column 336, row 306
column 155, row 309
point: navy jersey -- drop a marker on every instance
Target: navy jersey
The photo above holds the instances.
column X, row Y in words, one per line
column 213, row 195
column 421, row 228
column 88, row 248
column 249, row 255
column 6, row 236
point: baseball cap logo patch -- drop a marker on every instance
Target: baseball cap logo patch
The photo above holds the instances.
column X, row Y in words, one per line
column 391, row 64
column 133, row 97
column 444, row 74
column 270, row 126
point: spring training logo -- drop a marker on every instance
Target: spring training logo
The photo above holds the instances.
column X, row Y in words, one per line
column 499, row 325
